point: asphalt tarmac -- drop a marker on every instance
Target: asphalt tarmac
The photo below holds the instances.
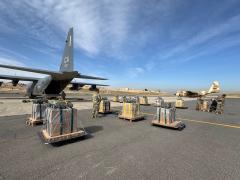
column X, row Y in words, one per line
column 208, row 148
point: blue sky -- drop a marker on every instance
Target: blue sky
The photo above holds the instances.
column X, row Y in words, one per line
column 156, row 44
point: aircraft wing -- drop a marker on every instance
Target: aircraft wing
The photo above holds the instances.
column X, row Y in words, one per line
column 30, row 70
column 18, row 78
column 83, row 83
column 90, row 77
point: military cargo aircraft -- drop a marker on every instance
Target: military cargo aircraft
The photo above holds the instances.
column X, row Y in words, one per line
column 215, row 88
column 55, row 81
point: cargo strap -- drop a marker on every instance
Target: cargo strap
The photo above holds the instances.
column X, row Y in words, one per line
column 158, row 114
column 174, row 115
column 61, row 122
column 40, row 107
column 165, row 114
column 71, row 120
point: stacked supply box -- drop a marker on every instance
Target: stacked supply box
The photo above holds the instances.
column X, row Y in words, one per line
column 61, row 121
column 159, row 102
column 115, row 99
column 130, row 110
column 204, row 105
column 104, row 106
column 122, row 99
column 38, row 111
column 166, row 115
column 143, row 100
column 179, row 103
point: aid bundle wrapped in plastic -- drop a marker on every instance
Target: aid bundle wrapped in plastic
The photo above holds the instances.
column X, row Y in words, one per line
column 61, row 121
column 104, row 106
column 166, row 115
column 130, row 110
column 38, row 111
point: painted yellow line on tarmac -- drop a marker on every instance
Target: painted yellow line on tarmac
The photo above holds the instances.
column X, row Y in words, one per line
column 204, row 122
column 212, row 123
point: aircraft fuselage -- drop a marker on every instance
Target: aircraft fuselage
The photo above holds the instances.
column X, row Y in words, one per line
column 52, row 84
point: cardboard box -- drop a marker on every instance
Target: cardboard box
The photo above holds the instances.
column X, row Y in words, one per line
column 115, row 99
column 61, row 121
column 130, row 110
column 143, row 100
column 179, row 103
column 39, row 111
column 104, row 106
column 205, row 105
column 167, row 115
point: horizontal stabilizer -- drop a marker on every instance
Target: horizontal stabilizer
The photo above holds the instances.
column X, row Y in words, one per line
column 30, row 70
column 19, row 78
column 90, row 77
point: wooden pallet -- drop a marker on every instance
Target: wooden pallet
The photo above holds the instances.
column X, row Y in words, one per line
column 175, row 125
column 33, row 122
column 181, row 107
column 145, row 104
column 136, row 118
column 106, row 112
column 48, row 139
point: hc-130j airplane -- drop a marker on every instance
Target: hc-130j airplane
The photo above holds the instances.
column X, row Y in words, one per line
column 55, row 81
column 215, row 88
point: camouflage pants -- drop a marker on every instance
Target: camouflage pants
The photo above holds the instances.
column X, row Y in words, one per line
column 221, row 108
column 199, row 105
column 95, row 110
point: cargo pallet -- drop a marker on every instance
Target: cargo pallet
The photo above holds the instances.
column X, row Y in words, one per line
column 203, row 110
column 145, row 104
column 175, row 125
column 48, row 139
column 33, row 122
column 136, row 118
column 181, row 107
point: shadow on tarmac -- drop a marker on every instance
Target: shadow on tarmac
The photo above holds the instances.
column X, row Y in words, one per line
column 93, row 129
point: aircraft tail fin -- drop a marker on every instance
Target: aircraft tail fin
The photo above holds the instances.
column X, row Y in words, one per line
column 67, row 59
column 215, row 87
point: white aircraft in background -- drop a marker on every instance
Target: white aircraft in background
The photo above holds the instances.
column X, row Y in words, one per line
column 215, row 88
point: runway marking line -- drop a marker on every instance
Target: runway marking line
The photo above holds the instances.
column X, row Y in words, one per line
column 212, row 123
column 204, row 122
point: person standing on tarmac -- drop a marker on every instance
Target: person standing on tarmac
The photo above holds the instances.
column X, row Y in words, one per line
column 199, row 103
column 221, row 102
column 96, row 102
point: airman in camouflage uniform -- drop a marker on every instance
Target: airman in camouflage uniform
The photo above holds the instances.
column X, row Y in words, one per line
column 221, row 102
column 124, row 98
column 96, row 102
column 199, row 103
